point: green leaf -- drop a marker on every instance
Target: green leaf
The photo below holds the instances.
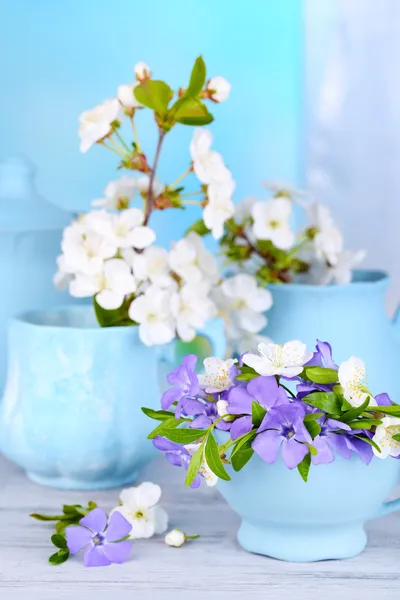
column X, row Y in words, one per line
column 198, row 227
column 326, row 401
column 213, row 459
column 354, row 413
column 154, row 94
column 59, row 557
column 197, row 77
column 194, row 465
column 368, row 441
column 193, row 112
column 393, row 411
column 312, row 450
column 158, row 415
column 113, row 318
column 242, row 457
column 364, row 423
column 313, row 428
column 183, row 436
column 313, row 416
column 258, row 412
column 396, row 437
column 40, row 517
column 304, row 467
column 247, row 438
column 59, row 540
column 171, row 423
column 246, row 376
column 320, row 375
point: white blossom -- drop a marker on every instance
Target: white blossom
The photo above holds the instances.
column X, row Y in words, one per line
column 245, row 303
column 319, row 216
column 175, row 538
column 246, row 342
column 328, row 244
column 219, row 89
column 351, row 377
column 139, row 506
column 142, row 71
column 341, row 272
column 216, row 377
column 275, row 359
column 383, row 438
column 244, row 209
column 272, row 222
column 151, row 264
column 190, row 260
column 143, row 184
column 118, row 194
column 219, row 207
column 110, row 286
column 127, row 97
column 207, row 164
column 192, row 308
column 125, row 229
column 153, row 313
column 96, row 124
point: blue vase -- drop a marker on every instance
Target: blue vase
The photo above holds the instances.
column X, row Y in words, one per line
column 70, row 415
column 30, row 237
column 351, row 317
column 286, row 518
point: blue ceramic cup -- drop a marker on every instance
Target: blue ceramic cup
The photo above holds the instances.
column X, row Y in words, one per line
column 71, row 412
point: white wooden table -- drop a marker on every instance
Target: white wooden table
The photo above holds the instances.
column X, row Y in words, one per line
column 213, row 567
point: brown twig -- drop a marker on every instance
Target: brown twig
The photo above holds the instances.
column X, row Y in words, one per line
column 149, row 203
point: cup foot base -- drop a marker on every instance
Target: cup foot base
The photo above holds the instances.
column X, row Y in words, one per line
column 65, row 483
column 310, row 543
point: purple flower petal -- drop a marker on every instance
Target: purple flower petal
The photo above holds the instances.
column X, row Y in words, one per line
column 189, row 362
column 117, row 553
column 223, row 425
column 338, row 443
column 77, row 537
column 293, row 452
column 174, row 458
column 265, row 390
column 325, row 454
column 94, row 557
column 118, row 527
column 169, row 397
column 96, row 520
column 164, row 445
column 361, row 448
column 325, row 350
column 239, row 401
column 193, row 407
column 383, row 400
column 201, row 422
column 267, row 444
column 241, row 426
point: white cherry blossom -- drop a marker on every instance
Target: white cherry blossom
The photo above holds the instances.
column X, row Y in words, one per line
column 341, row 272
column 328, row 244
column 247, row 342
column 219, row 89
column 244, row 209
column 209, row 477
column 272, row 222
column 83, row 250
column 142, row 71
column 96, row 124
column 153, row 313
column 245, row 302
column 351, row 377
column 219, row 207
column 151, row 264
column 143, row 184
column 384, row 440
column 125, row 230
column 118, row 194
column 207, row 164
column 139, row 506
column 192, row 308
column 275, row 359
column 216, row 377
column 110, row 286
column 190, row 260
column 319, row 216
column 127, row 97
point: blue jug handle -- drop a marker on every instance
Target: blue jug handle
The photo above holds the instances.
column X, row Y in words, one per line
column 389, row 507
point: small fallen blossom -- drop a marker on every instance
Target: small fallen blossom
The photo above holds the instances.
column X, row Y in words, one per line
column 176, row 538
column 139, row 506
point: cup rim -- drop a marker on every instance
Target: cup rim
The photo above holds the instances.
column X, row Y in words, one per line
column 25, row 318
column 379, row 278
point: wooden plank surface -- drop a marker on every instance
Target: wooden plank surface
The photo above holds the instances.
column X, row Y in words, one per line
column 213, row 567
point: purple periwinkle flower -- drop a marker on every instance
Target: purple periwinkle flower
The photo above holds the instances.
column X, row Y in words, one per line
column 177, row 455
column 322, row 357
column 102, row 542
column 205, row 413
column 185, row 382
column 283, row 426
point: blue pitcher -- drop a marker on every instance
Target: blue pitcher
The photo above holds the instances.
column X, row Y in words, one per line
column 350, row 317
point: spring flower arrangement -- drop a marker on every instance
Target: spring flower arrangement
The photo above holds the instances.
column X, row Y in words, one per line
column 108, row 539
column 110, row 253
column 283, row 401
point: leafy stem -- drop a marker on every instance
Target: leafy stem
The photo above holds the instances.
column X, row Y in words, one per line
column 135, row 134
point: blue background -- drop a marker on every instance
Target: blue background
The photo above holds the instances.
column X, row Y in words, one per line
column 59, row 58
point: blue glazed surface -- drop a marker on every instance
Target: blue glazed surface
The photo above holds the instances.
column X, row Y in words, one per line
column 351, row 317
column 286, row 518
column 70, row 414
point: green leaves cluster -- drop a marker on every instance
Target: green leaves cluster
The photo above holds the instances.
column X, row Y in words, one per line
column 188, row 109
column 71, row 515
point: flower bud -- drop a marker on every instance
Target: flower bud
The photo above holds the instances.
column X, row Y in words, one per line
column 175, row 538
column 221, row 407
column 218, row 89
column 142, row 71
column 126, row 96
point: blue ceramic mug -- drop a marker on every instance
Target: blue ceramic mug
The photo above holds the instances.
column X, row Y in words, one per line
column 286, row 518
column 70, row 415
